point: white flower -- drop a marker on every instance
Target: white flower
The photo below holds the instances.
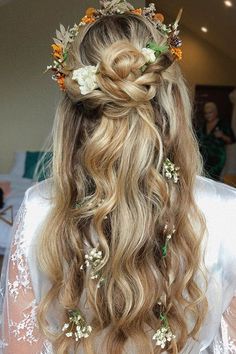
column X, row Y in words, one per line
column 86, row 78
column 149, row 55
column 163, row 335
column 69, row 334
column 65, row 327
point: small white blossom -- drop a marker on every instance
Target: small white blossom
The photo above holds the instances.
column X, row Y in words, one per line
column 65, row 327
column 86, row 78
column 69, row 334
column 149, row 55
column 77, row 326
column 171, row 171
column 93, row 260
column 162, row 336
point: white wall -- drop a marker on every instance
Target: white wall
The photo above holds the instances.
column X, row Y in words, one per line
column 204, row 64
column 28, row 98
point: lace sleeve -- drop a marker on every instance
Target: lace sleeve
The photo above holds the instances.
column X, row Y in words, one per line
column 19, row 331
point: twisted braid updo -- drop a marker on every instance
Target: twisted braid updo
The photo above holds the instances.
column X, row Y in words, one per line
column 110, row 145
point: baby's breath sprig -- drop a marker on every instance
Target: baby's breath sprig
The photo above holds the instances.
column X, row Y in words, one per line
column 93, row 260
column 169, row 235
column 76, row 327
column 164, row 334
column 170, row 171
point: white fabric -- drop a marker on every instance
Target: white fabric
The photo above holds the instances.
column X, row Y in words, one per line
column 25, row 284
column 19, row 164
column 18, row 187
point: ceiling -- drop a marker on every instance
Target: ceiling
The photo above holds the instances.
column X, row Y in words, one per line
column 213, row 14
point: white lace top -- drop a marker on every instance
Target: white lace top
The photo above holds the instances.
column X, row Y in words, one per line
column 23, row 284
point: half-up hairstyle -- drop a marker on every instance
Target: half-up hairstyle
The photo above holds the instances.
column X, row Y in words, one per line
column 109, row 146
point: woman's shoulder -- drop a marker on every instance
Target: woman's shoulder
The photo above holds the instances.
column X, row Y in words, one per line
column 34, row 210
column 217, row 203
column 40, row 193
column 209, row 191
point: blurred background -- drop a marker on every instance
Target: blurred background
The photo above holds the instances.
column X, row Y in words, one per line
column 28, row 97
column 208, row 30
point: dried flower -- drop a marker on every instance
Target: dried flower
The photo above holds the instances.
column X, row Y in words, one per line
column 77, row 326
column 61, row 82
column 170, row 171
column 177, row 53
column 175, row 41
column 64, row 37
column 159, row 17
column 137, row 11
column 93, row 260
column 57, row 51
column 87, row 19
column 164, row 334
column 90, row 11
column 168, row 238
column 115, row 6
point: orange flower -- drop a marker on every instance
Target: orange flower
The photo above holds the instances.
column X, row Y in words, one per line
column 61, row 82
column 177, row 52
column 87, row 19
column 90, row 11
column 159, row 17
column 57, row 51
column 137, row 11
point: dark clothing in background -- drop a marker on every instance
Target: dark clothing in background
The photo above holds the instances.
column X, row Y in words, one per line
column 213, row 149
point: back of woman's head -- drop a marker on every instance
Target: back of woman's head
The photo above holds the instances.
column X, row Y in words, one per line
column 109, row 149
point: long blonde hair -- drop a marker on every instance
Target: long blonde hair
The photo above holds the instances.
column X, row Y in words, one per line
column 110, row 145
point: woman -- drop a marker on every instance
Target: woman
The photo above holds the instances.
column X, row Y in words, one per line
column 122, row 250
column 214, row 137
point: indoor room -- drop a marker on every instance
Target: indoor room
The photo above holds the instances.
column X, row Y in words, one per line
column 181, row 166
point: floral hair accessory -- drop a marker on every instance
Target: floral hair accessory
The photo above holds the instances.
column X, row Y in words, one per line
column 170, row 171
column 76, row 327
column 86, row 78
column 169, row 235
column 65, row 37
column 92, row 261
column 149, row 55
column 152, row 52
column 164, row 334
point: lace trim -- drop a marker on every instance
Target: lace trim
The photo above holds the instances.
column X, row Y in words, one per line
column 47, row 348
column 3, row 344
column 226, row 345
column 22, row 281
column 24, row 330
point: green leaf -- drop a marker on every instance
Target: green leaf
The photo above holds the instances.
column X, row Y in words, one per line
column 164, row 251
column 158, row 49
column 144, row 67
column 65, row 56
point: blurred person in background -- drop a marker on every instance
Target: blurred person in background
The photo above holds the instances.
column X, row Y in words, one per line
column 124, row 249
column 214, row 135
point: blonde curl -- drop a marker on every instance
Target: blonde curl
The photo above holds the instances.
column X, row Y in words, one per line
column 99, row 155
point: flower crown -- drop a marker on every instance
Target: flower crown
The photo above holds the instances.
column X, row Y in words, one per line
column 86, row 76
